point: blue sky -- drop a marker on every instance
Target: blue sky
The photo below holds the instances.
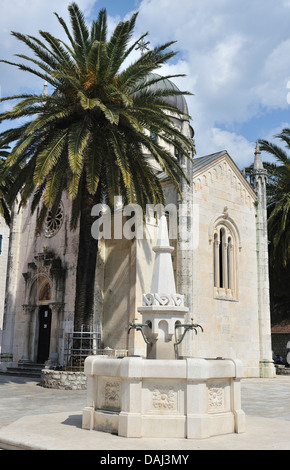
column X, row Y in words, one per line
column 116, row 7
column 235, row 54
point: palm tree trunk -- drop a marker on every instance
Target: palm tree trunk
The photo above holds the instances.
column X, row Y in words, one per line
column 86, row 264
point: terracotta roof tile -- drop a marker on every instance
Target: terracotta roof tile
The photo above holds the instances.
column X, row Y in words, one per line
column 283, row 327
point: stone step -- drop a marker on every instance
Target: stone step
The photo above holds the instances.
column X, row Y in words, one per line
column 32, row 370
column 30, row 365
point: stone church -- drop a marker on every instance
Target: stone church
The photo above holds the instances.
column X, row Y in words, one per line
column 223, row 273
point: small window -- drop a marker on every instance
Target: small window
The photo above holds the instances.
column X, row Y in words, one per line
column 1, row 239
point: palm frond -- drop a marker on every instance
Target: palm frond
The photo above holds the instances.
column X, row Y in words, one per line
column 39, row 48
column 78, row 137
column 51, row 151
column 44, row 76
column 274, row 150
column 118, row 44
column 80, row 32
column 64, row 25
column 99, row 27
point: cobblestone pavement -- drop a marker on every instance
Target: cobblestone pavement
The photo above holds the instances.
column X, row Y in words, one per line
column 21, row 396
column 32, row 416
column 267, row 398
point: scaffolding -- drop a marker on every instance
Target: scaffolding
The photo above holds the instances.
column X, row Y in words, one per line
column 81, row 344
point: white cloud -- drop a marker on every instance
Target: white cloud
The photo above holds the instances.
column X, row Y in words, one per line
column 28, row 17
column 275, row 75
column 236, row 55
column 239, row 148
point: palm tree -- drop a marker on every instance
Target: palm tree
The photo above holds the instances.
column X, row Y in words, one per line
column 88, row 137
column 5, row 185
column 278, row 193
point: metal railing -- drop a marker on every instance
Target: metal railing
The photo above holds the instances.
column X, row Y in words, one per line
column 81, row 344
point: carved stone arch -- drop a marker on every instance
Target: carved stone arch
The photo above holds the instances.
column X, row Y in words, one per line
column 46, row 267
column 244, row 197
column 234, row 181
column 45, row 288
column 38, row 284
column 224, row 219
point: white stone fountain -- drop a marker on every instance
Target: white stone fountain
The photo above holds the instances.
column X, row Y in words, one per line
column 160, row 395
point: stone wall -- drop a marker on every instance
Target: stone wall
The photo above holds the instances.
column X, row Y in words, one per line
column 34, row 261
column 63, row 380
column 4, row 233
column 230, row 322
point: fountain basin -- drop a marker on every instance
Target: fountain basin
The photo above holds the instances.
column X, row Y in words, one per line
column 191, row 398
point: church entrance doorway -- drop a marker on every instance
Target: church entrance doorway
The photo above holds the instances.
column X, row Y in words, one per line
column 44, row 333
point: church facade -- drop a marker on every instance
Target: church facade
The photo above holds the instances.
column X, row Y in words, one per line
column 220, row 265
column 4, row 244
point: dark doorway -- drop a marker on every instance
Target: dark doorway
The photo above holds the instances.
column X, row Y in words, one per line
column 44, row 334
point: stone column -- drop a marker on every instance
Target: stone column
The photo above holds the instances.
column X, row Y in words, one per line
column 225, row 264
column 230, row 266
column 216, row 263
column 28, row 310
column 11, row 285
column 55, row 333
column 259, row 181
column 185, row 250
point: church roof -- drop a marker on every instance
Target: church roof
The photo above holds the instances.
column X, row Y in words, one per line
column 200, row 162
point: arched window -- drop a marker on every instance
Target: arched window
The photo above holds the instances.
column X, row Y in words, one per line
column 225, row 266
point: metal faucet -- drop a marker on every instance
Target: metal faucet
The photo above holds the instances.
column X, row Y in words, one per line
column 139, row 327
column 187, row 326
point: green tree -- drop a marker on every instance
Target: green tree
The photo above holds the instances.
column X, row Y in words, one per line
column 5, row 185
column 87, row 138
column 278, row 193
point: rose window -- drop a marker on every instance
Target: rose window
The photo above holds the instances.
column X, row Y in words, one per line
column 53, row 222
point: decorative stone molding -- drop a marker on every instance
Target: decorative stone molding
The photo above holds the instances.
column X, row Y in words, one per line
column 56, row 306
column 53, row 223
column 176, row 300
column 224, row 219
column 216, row 398
column 46, row 267
column 28, row 309
column 164, row 399
column 111, row 393
column 224, row 169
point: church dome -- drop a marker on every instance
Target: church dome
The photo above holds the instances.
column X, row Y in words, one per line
column 175, row 100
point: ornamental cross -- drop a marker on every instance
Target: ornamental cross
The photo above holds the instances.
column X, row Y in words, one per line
column 143, row 46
